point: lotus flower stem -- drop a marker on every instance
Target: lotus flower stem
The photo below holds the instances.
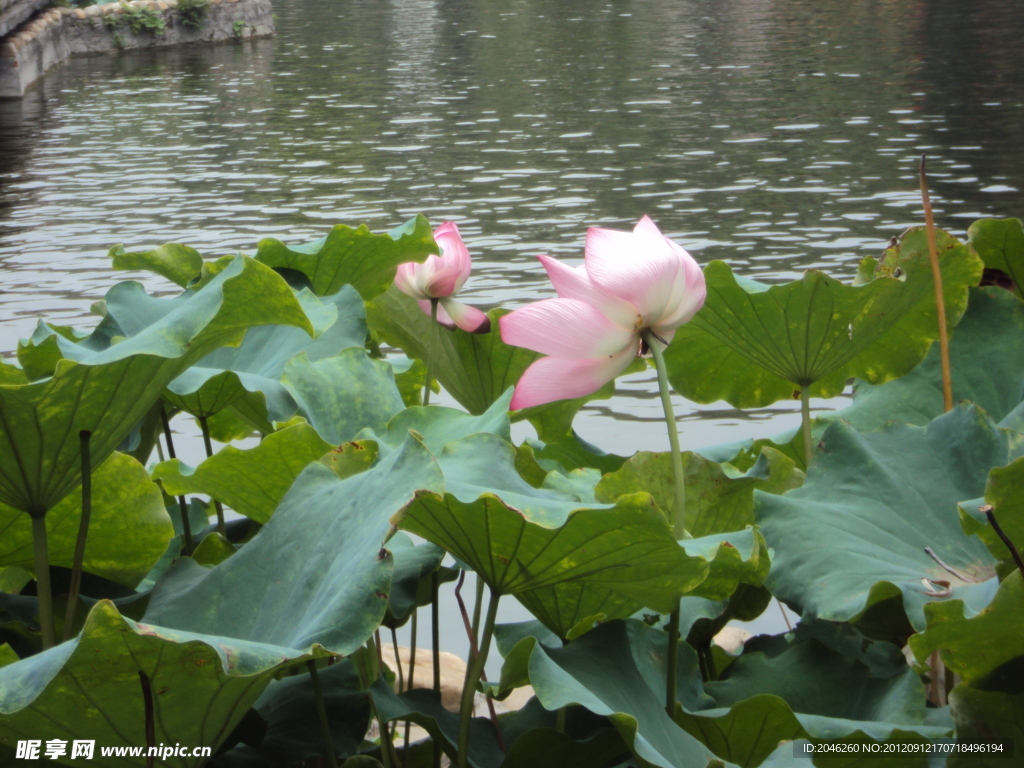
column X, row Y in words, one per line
column 473, row 674
column 147, row 703
column 673, row 433
column 83, row 534
column 388, row 751
column 707, row 662
column 412, row 673
column 186, row 525
column 398, row 661
column 940, row 302
column 560, row 718
column 435, row 640
column 805, row 422
column 677, row 513
column 321, row 710
column 221, row 527
column 471, row 631
column 785, row 616
column 477, row 609
column 433, row 329
column 1014, row 552
column 43, row 588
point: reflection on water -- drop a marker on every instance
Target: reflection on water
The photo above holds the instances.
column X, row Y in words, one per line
column 777, row 135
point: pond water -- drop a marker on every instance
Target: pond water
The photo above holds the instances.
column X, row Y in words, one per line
column 777, row 135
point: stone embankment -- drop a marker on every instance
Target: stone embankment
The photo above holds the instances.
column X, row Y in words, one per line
column 49, row 38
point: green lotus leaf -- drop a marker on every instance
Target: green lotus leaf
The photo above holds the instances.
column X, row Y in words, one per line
column 474, row 368
column 342, row 395
column 718, row 500
column 106, row 392
column 11, row 375
column 985, row 716
column 741, row 455
column 410, row 375
column 126, row 507
column 986, row 361
column 808, row 690
column 351, row 458
column 573, row 452
column 355, row 257
column 39, row 354
column 545, row 747
column 618, row 670
column 247, row 377
column 214, row 549
column 1004, row 494
column 518, row 538
column 7, row 655
column 411, row 580
column 529, row 739
column 734, row 558
column 752, row 344
column 437, row 426
column 91, row 687
column 13, row 579
column 1000, row 244
column 252, row 482
column 985, row 650
column 581, row 483
column 316, row 573
column 874, row 505
column 571, row 608
column 289, row 709
column 226, row 426
column 178, row 263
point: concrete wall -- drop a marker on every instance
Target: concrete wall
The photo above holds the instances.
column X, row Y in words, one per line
column 51, row 38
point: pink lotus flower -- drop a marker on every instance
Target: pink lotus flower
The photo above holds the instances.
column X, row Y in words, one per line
column 441, row 277
column 631, row 282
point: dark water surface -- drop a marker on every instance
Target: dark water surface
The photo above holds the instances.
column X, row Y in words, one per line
column 776, row 135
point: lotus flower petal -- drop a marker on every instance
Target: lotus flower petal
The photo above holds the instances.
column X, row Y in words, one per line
column 454, row 258
column 557, row 378
column 405, row 280
column 575, row 283
column 567, row 328
column 441, row 277
column 469, row 319
column 631, row 282
column 643, row 267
